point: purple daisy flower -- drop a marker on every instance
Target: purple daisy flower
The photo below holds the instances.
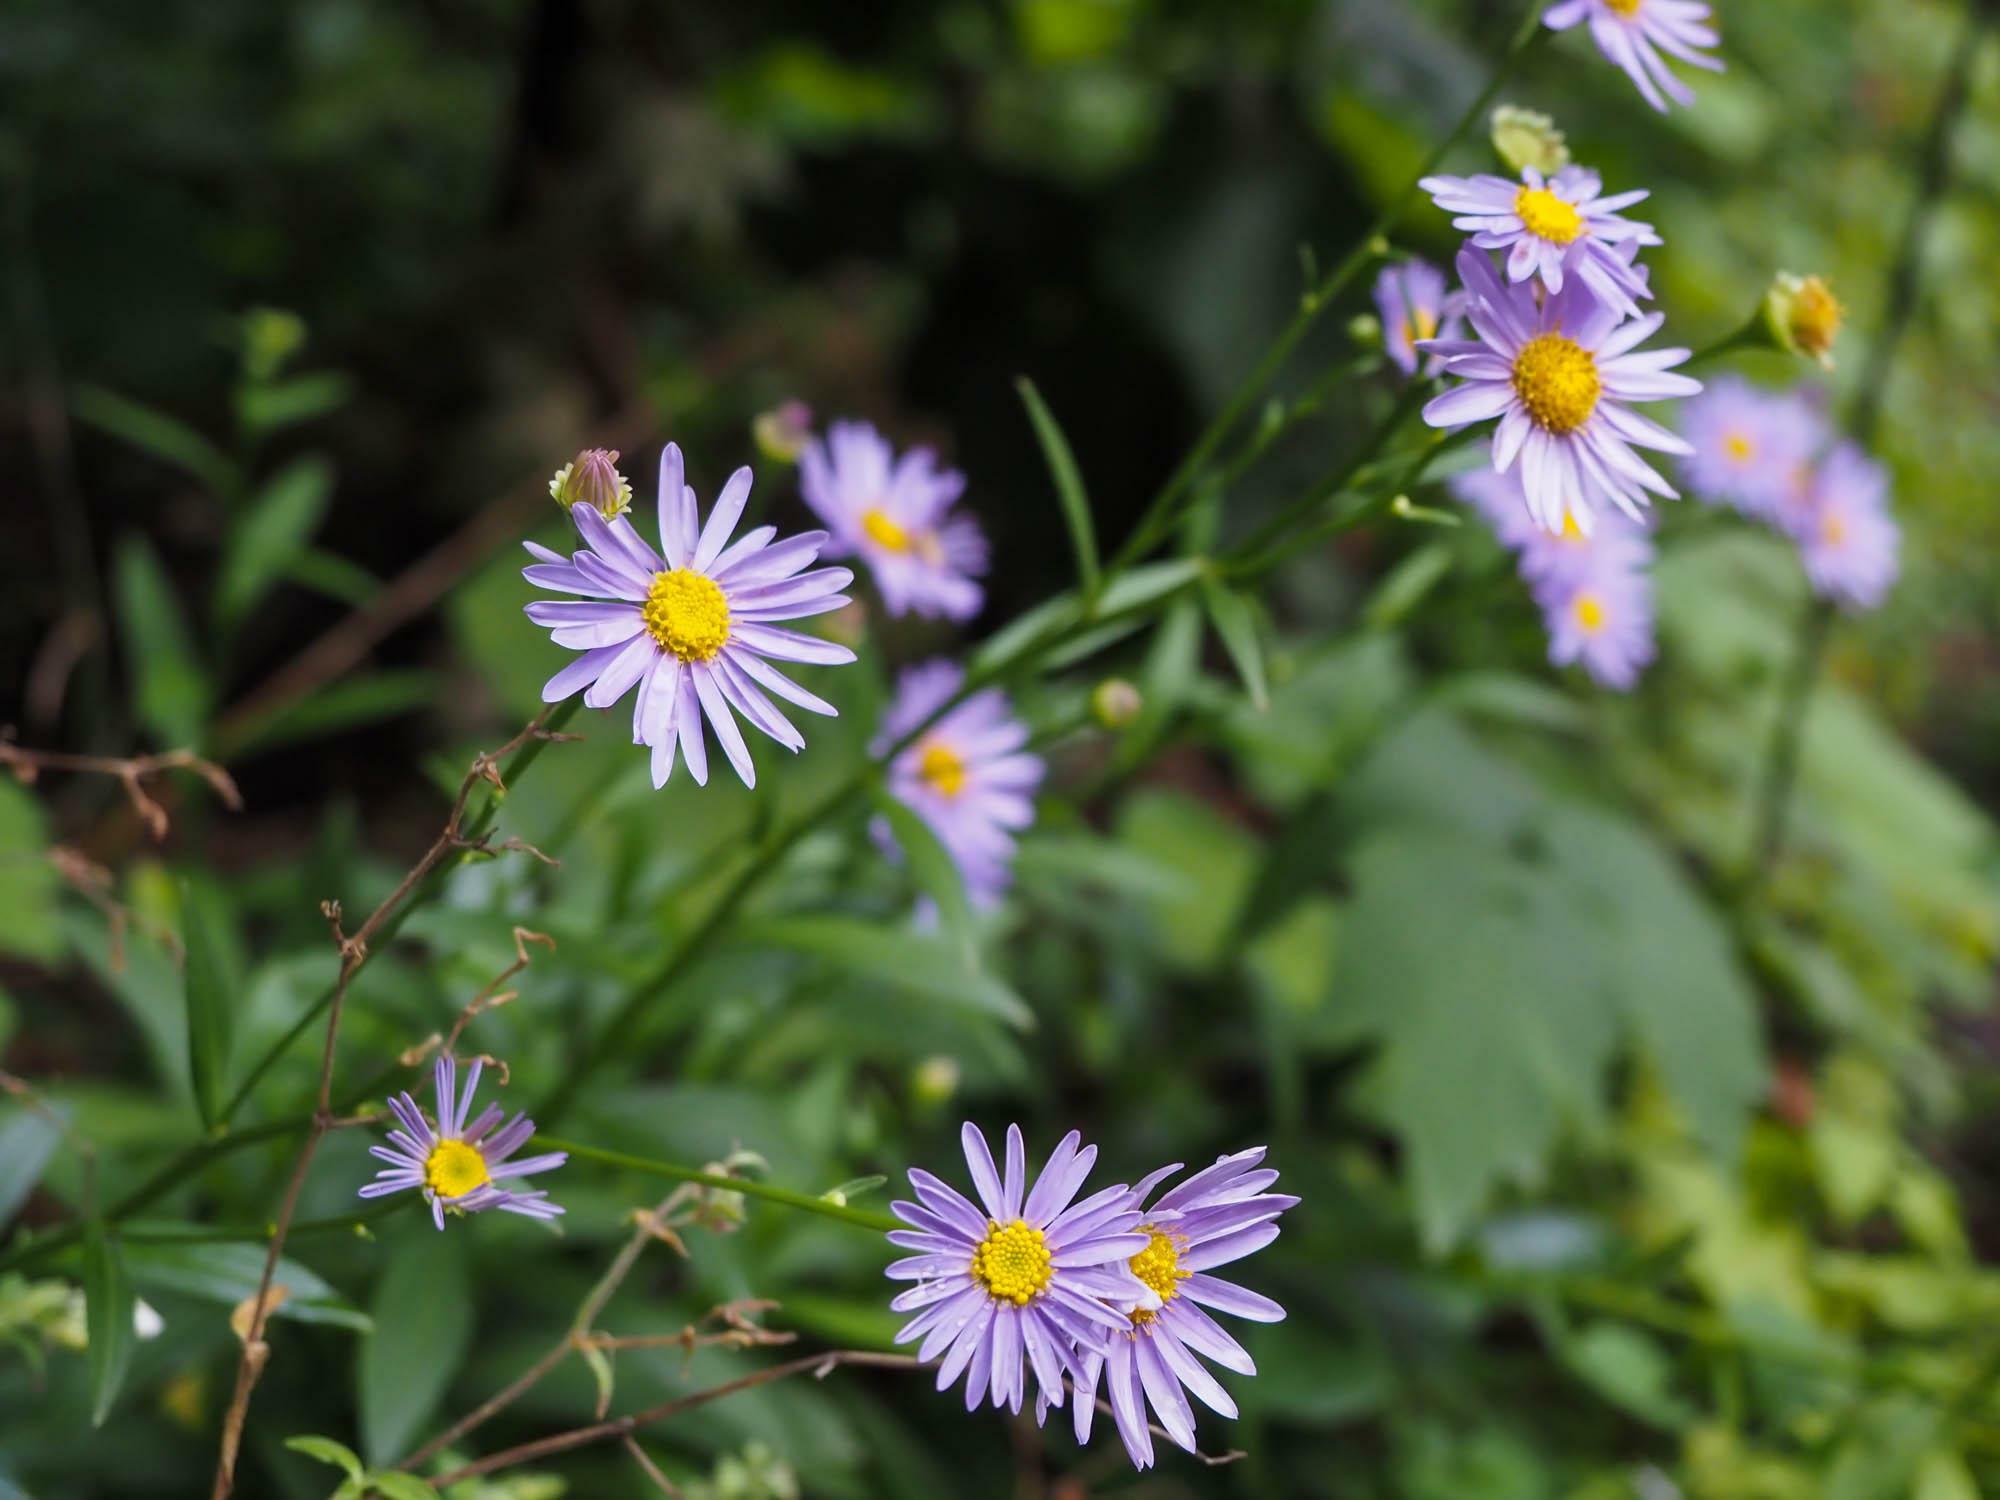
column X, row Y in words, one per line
column 694, row 630
column 1751, row 447
column 1215, row 1217
column 1555, row 228
column 895, row 512
column 966, row 776
column 1633, row 34
column 1559, row 372
column 1026, row 1277
column 1551, row 559
column 459, row 1165
column 1848, row 541
column 1412, row 301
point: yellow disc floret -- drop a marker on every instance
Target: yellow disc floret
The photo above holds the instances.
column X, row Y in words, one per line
column 1816, row 317
column 454, row 1169
column 943, row 768
column 1739, row 447
column 884, row 532
column 1589, row 613
column 687, row 614
column 1547, row 216
column 1625, row 8
column 1012, row 1262
column 1556, row 379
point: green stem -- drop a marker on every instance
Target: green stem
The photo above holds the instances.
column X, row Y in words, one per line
column 1163, row 512
column 826, row 1207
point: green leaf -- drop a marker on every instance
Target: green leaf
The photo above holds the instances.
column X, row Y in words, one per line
column 327, row 573
column 108, row 1304
column 1235, row 621
column 1943, row 1475
column 170, row 690
column 423, row 1326
column 1142, row 587
column 229, row 1274
column 395, row 1486
column 935, row 872
column 267, row 406
column 1069, row 484
column 210, row 989
column 342, row 706
column 272, row 536
column 166, row 438
column 327, row 1451
column 1628, row 1368
column 28, row 882
column 1406, row 586
column 920, row 963
column 27, row 1140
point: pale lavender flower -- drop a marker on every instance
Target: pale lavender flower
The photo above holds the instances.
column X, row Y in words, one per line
column 1553, row 558
column 896, row 513
column 459, row 1165
column 1553, row 228
column 1560, row 373
column 1216, row 1217
column 694, row 630
column 1413, row 303
column 1025, row 1277
column 966, row 776
column 1633, row 34
column 1847, row 539
column 1751, row 447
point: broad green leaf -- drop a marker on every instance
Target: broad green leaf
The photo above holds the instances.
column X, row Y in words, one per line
column 345, row 705
column 423, row 1324
column 1068, row 482
column 920, row 963
column 108, row 1304
column 327, row 1451
column 267, row 406
column 210, row 988
column 164, row 437
column 1235, row 621
column 28, row 882
column 271, row 537
column 935, row 872
column 229, row 1274
column 1943, row 1476
column 1628, row 1367
column 170, row 690
column 27, row 1140
column 1218, row 858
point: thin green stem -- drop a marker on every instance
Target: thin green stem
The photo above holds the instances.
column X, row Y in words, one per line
column 825, row 1207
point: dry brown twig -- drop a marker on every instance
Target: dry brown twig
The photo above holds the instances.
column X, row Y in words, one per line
column 492, row 997
column 130, row 771
column 94, row 883
column 353, row 949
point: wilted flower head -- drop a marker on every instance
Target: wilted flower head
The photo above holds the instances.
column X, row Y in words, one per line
column 1633, row 34
column 1523, row 138
column 1848, row 541
column 897, row 513
column 592, row 478
column 1026, row 1276
column 1216, row 1217
column 1413, row 303
column 1553, row 228
column 967, row 776
column 783, row 432
column 1751, row 448
column 1560, row 373
column 1803, row 316
column 695, row 629
column 459, row 1165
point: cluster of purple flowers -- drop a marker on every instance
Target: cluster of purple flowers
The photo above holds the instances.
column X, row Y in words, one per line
column 1775, row 457
column 1107, row 1290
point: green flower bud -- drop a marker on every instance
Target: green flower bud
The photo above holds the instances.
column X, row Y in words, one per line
column 1115, row 703
column 1802, row 316
column 592, row 478
column 783, row 432
column 1365, row 329
column 1522, row 138
column 934, row 1080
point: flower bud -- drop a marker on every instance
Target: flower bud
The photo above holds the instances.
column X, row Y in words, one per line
column 1802, row 316
column 1115, row 703
column 934, row 1080
column 783, row 432
column 592, row 478
column 1523, row 138
column 1365, row 331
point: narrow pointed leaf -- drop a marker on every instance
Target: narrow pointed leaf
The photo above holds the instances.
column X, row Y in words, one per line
column 211, row 1001
column 1068, row 482
column 1235, row 622
column 108, row 1303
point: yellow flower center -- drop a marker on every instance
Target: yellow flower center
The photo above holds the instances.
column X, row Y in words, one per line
column 1834, row 529
column 1556, row 379
column 1422, row 323
column 1012, row 1262
column 1547, row 216
column 687, row 614
column 1625, row 8
column 1739, row 447
column 1589, row 613
column 1816, row 317
column 943, row 768
column 454, row 1169
column 884, row 532
column 1571, row 532
column 1159, row 1266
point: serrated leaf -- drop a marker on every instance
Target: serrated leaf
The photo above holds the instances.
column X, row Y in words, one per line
column 1235, row 622
column 27, row 1140
column 327, row 1451
column 166, row 438
column 1068, row 482
column 170, row 690
column 272, row 536
column 935, row 872
column 423, row 1324
column 108, row 1303
column 209, row 987
column 922, row 964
